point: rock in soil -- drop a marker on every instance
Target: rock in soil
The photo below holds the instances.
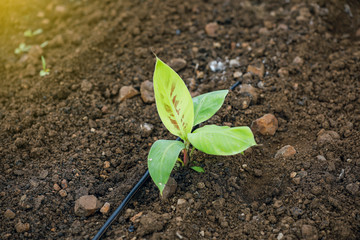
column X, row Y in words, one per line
column 266, row 125
column 286, row 151
column 127, row 92
column 309, row 232
column 86, row 205
column 149, row 223
column 177, row 64
column 147, row 92
column 211, row 29
column 105, row 209
column 22, row 227
column 9, row 214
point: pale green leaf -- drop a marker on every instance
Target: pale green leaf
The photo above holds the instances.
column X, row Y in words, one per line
column 161, row 160
column 173, row 100
column 198, row 169
column 217, row 140
column 206, row 105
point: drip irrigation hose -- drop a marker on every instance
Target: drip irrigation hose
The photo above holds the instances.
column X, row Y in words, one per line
column 143, row 179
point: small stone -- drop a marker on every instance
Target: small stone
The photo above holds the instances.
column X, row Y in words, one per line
column 146, row 129
column 86, row 205
column 20, row 142
column 293, row 174
column 298, row 61
column 9, row 214
column 147, row 92
column 320, row 158
column 43, row 174
column 296, row 180
column 353, row 188
column 249, row 91
column 136, row 217
column 309, row 232
column 316, row 190
column 86, row 86
column 22, row 227
column 211, row 29
column 278, row 203
column 63, row 193
column 280, row 236
column 56, row 187
column 237, row 74
column 283, row 72
column 170, row 189
column 327, row 136
column 266, row 125
column 64, row 183
column 177, row 64
column 200, row 185
column 286, row 151
column 216, row 66
column 234, row 63
column 258, row 69
column 92, row 124
column 106, row 164
column 105, row 209
column 181, row 201
column 127, row 92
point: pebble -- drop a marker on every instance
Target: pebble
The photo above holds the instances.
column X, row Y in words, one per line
column 296, row 180
column 22, row 227
column 9, row 214
column 181, row 201
column 56, row 187
column 353, row 188
column 293, row 174
column 105, row 209
column 127, row 92
column 170, row 189
column 280, row 236
column 327, row 136
column 146, row 129
column 298, row 61
column 20, row 142
column 309, row 232
column 283, row 72
column 257, row 69
column 177, row 64
column 147, row 92
column 320, row 158
column 86, row 86
column 237, row 74
column 211, row 29
column 106, row 164
column 234, row 63
column 286, row 151
column 200, row 185
column 63, row 193
column 217, row 66
column 266, row 125
column 64, row 183
column 86, row 205
column 249, row 91
column 43, row 174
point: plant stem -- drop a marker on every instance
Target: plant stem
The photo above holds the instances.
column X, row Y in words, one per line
column 185, row 156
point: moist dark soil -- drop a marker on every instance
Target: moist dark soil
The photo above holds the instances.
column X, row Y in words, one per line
column 67, row 134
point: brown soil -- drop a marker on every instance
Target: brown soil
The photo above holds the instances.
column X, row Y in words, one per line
column 65, row 126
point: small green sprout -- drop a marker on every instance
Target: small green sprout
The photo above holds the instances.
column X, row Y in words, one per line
column 44, row 44
column 45, row 71
column 29, row 33
column 22, row 48
column 179, row 113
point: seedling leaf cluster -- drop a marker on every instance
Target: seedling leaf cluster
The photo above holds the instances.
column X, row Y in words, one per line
column 180, row 113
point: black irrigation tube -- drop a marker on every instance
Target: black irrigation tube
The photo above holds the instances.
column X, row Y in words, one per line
column 116, row 213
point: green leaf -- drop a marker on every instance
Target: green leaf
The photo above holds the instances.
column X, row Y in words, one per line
column 161, row 160
column 206, row 105
column 216, row 140
column 198, row 169
column 173, row 100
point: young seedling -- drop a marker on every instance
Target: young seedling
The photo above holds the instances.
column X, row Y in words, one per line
column 29, row 33
column 179, row 113
column 45, row 71
column 22, row 48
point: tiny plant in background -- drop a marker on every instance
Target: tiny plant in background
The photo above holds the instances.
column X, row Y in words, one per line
column 45, row 71
column 29, row 33
column 180, row 113
column 22, row 48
